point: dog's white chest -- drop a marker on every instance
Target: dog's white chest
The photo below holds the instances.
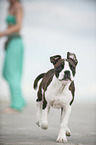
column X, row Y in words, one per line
column 58, row 94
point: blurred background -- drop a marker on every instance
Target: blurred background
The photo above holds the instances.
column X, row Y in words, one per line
column 53, row 27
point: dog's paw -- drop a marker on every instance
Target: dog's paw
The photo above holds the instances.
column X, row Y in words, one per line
column 61, row 138
column 38, row 123
column 68, row 132
column 44, row 125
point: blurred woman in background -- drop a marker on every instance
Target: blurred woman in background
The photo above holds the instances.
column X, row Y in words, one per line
column 12, row 70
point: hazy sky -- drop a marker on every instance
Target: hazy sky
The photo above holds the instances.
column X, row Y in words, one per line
column 55, row 27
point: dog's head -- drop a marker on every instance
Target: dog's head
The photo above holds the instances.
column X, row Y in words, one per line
column 65, row 69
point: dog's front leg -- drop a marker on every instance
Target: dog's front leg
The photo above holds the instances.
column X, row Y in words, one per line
column 44, row 118
column 63, row 126
column 68, row 132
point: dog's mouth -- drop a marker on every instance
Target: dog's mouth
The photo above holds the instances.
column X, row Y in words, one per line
column 65, row 79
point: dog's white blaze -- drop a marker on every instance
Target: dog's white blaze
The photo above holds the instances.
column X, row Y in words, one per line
column 58, row 94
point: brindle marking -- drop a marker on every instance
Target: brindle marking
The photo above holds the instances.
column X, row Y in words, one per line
column 58, row 67
column 72, row 66
column 47, row 79
column 72, row 89
column 71, row 58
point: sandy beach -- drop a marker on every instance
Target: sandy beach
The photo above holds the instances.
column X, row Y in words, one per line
column 21, row 128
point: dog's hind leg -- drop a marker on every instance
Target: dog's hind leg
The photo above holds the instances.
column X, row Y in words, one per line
column 68, row 132
column 39, row 106
column 44, row 118
column 39, row 112
column 61, row 115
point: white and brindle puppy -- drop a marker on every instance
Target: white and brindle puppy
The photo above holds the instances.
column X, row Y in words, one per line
column 57, row 89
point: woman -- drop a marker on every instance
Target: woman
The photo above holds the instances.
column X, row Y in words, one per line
column 12, row 69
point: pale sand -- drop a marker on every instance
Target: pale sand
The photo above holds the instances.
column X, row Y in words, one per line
column 21, row 129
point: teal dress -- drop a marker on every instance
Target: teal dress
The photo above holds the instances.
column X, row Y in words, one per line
column 12, row 70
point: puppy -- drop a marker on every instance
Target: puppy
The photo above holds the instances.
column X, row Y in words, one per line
column 57, row 89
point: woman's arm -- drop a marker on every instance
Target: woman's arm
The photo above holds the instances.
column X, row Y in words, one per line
column 14, row 28
column 4, row 33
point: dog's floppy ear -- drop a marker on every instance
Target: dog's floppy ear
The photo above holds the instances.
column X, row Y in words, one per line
column 72, row 57
column 54, row 59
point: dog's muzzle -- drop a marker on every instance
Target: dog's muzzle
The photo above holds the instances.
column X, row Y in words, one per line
column 67, row 75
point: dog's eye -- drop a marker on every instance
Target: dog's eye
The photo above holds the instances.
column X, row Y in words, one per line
column 60, row 68
column 72, row 66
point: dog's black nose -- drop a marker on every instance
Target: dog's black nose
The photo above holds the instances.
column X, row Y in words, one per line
column 67, row 74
